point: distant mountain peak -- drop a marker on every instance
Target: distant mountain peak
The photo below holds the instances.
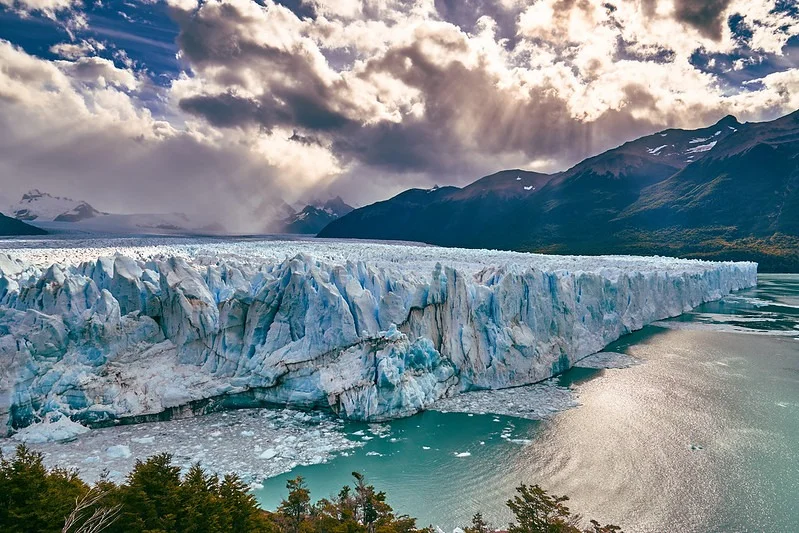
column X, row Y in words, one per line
column 312, row 218
column 728, row 120
column 43, row 206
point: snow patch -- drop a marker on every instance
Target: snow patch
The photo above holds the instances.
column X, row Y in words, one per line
column 702, row 148
column 656, row 151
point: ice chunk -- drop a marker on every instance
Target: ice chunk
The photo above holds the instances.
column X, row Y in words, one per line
column 607, row 360
column 118, row 451
column 49, row 430
column 268, row 454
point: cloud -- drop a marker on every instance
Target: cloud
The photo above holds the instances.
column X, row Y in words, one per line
column 77, row 50
column 47, row 7
column 707, row 16
column 364, row 98
column 428, row 96
column 77, row 128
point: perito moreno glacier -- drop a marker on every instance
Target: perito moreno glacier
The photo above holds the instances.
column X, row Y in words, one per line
column 130, row 330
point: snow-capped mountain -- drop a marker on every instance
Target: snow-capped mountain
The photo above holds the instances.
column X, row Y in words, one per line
column 43, row 207
column 60, row 214
column 726, row 191
column 313, row 217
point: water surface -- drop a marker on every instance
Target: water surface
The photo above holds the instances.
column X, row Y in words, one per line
column 702, row 436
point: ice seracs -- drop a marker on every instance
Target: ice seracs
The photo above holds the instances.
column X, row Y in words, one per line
column 369, row 331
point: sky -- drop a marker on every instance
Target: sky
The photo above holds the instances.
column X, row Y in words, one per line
column 228, row 107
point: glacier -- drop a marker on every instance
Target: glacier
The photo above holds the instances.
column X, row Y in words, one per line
column 131, row 330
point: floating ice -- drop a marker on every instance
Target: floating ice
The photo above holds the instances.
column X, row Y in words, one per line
column 120, row 451
column 725, row 328
column 268, row 454
column 535, row 402
column 607, row 360
column 294, row 442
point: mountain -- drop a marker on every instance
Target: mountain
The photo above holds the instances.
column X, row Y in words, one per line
column 313, row 217
column 58, row 214
column 727, row 191
column 43, row 207
column 11, row 227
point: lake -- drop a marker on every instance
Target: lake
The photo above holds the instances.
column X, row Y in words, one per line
column 703, row 435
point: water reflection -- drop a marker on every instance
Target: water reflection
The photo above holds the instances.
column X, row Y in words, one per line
column 701, row 437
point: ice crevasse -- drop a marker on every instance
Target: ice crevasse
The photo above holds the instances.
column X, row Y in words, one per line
column 370, row 331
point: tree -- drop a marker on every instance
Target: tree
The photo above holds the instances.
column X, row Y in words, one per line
column 538, row 512
column 479, row 525
column 297, row 507
column 151, row 496
column 201, row 507
column 597, row 528
column 33, row 498
column 241, row 508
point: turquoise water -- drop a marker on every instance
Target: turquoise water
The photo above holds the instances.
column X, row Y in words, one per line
column 703, row 436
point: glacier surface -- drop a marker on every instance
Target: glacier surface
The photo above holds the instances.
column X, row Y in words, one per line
column 147, row 329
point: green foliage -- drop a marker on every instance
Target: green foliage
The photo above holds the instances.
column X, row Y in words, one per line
column 538, row 512
column 33, row 499
column 479, row 525
column 156, row 499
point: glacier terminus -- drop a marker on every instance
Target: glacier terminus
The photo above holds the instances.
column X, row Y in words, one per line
column 104, row 331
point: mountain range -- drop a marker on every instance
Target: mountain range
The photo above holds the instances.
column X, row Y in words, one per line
column 39, row 212
column 727, row 191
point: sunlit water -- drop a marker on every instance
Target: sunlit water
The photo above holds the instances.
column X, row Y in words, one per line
column 703, row 436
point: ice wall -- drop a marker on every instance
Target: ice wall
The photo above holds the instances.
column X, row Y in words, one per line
column 370, row 331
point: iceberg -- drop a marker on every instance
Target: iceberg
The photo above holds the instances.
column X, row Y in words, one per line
column 136, row 330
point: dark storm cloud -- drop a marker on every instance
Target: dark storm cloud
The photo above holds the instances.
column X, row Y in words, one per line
column 301, row 8
column 297, row 95
column 707, row 16
column 280, row 108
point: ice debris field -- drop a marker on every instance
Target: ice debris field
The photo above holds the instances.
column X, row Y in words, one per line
column 254, row 443
column 147, row 329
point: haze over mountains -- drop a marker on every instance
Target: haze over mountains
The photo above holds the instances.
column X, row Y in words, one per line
column 728, row 191
column 38, row 212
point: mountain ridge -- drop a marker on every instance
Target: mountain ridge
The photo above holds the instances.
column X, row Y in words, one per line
column 674, row 192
